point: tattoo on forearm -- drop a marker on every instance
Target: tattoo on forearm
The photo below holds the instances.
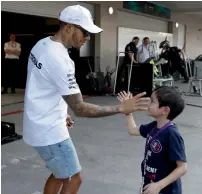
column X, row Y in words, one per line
column 83, row 109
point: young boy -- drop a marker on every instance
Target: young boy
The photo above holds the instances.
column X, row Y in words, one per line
column 165, row 160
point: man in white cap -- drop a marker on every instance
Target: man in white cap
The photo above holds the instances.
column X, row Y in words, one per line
column 51, row 87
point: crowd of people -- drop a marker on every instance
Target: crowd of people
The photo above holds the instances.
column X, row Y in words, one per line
column 143, row 53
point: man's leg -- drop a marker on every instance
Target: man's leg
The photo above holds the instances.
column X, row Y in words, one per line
column 71, row 186
column 62, row 160
column 52, row 185
column 182, row 70
column 119, row 81
column 14, row 73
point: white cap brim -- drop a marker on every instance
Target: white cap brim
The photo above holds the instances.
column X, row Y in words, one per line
column 92, row 29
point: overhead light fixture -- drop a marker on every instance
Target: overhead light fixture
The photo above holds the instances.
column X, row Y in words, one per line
column 111, row 10
column 176, row 25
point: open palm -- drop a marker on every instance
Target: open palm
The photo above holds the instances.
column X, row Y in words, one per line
column 124, row 96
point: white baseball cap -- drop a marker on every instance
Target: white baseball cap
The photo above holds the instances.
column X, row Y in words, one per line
column 81, row 16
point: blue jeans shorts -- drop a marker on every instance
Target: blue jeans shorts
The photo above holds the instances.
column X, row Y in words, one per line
column 61, row 159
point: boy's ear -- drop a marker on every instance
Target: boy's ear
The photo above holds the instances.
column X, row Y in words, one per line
column 166, row 110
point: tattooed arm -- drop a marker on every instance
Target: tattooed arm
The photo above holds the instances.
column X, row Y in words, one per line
column 83, row 109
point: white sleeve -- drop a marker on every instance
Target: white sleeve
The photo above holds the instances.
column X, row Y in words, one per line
column 61, row 74
column 5, row 46
column 18, row 47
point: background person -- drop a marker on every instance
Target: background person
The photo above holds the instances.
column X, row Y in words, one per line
column 12, row 52
column 143, row 53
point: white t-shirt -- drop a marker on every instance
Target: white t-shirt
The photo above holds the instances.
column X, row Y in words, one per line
column 51, row 74
column 12, row 46
column 143, row 53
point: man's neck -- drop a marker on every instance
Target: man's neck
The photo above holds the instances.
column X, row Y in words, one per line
column 161, row 122
column 58, row 37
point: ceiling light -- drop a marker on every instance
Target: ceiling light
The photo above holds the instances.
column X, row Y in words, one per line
column 111, row 10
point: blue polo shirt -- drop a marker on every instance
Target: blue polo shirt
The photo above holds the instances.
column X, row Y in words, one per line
column 163, row 148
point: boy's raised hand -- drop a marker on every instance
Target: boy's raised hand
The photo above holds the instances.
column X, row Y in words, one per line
column 124, row 96
column 131, row 103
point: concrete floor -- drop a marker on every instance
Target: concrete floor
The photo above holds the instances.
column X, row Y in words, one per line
column 109, row 157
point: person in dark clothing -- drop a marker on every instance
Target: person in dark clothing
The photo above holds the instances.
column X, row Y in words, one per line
column 175, row 63
column 130, row 51
column 164, row 160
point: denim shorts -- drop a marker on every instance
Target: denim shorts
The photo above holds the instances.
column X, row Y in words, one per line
column 61, row 159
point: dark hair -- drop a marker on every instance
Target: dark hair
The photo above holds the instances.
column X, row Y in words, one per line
column 171, row 97
column 145, row 38
column 61, row 23
column 136, row 38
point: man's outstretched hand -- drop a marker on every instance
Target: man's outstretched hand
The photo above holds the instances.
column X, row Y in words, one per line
column 131, row 104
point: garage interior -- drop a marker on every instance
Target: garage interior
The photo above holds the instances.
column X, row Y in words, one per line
column 29, row 29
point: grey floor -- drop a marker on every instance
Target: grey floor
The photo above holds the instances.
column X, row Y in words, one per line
column 109, row 157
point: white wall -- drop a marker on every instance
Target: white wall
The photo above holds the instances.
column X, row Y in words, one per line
column 193, row 35
column 181, row 36
column 125, row 34
column 132, row 20
column 120, row 18
column 41, row 8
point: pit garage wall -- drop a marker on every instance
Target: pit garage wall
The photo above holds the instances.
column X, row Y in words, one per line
column 120, row 18
column 108, row 39
column 193, row 35
column 49, row 9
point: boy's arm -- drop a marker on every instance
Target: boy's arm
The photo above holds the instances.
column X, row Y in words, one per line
column 176, row 153
column 7, row 51
column 17, row 52
column 180, row 170
column 133, row 129
column 142, row 130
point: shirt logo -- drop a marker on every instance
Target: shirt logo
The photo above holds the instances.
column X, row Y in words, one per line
column 156, row 146
column 35, row 61
column 72, row 81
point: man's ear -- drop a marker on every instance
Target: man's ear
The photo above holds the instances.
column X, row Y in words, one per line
column 69, row 27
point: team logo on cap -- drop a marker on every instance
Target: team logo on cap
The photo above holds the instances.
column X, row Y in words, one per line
column 156, row 146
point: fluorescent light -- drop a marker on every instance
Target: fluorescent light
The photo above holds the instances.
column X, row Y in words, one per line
column 111, row 10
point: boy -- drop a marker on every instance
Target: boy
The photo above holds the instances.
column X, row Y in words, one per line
column 165, row 160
